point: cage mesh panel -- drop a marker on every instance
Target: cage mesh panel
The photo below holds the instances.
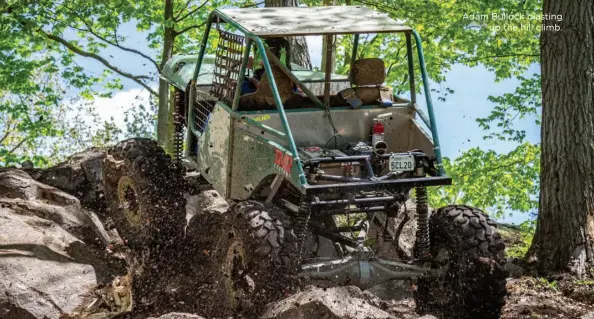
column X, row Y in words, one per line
column 227, row 66
column 203, row 109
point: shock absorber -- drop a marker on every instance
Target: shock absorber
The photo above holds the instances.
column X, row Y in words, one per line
column 422, row 243
column 178, row 136
column 301, row 224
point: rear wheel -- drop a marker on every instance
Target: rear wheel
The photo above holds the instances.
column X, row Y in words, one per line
column 465, row 243
column 144, row 194
column 254, row 257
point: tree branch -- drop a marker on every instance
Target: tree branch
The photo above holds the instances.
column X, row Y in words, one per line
column 19, row 144
column 115, row 43
column 79, row 51
column 176, row 33
column 497, row 56
column 8, row 131
column 180, row 11
column 191, row 12
column 494, row 168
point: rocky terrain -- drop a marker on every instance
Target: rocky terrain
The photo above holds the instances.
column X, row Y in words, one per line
column 60, row 257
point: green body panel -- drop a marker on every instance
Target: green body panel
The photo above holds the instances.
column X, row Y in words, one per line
column 214, row 156
column 179, row 70
column 254, row 161
column 234, row 156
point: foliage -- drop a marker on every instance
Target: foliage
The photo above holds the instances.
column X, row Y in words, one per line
column 36, row 125
column 546, row 283
column 526, row 233
column 49, row 39
column 451, row 36
column 489, row 180
column 525, row 101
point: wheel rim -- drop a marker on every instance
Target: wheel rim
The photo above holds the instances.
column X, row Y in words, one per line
column 128, row 202
column 236, row 281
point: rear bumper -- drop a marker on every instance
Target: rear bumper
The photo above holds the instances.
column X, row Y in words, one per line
column 391, row 185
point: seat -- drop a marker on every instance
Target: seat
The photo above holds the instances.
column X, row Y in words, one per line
column 263, row 98
column 367, row 78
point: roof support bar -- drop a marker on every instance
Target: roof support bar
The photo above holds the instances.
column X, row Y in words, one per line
column 280, row 108
column 433, row 125
column 411, row 69
column 329, row 48
column 244, row 62
column 354, row 55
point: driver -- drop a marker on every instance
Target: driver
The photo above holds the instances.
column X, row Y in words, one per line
column 276, row 46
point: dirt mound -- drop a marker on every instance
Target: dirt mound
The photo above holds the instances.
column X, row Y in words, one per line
column 533, row 298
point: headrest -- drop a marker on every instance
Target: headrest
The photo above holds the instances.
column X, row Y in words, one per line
column 368, row 72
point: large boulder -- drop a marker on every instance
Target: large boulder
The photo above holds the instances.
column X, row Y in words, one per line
column 47, row 269
column 346, row 302
column 80, row 175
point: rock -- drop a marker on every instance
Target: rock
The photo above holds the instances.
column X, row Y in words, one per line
column 336, row 302
column 589, row 315
column 27, row 196
column 177, row 315
column 393, row 289
column 406, row 241
column 514, row 270
column 80, row 175
column 207, row 201
column 46, row 268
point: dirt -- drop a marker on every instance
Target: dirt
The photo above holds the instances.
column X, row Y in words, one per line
column 545, row 298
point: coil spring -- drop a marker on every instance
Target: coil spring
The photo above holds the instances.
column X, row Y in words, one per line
column 422, row 243
column 301, row 224
column 178, row 136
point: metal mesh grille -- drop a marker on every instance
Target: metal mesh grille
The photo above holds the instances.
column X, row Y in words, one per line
column 227, row 66
column 204, row 106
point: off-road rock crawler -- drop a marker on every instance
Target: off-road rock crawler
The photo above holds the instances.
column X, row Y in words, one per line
column 338, row 154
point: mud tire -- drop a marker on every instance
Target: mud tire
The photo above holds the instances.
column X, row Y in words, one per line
column 254, row 237
column 154, row 215
column 474, row 285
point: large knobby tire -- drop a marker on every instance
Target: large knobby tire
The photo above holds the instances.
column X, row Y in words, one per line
column 144, row 194
column 254, row 242
column 465, row 243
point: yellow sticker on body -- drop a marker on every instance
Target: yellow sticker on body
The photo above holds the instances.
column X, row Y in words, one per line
column 261, row 118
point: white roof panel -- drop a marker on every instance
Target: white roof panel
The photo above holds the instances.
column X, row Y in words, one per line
column 291, row 21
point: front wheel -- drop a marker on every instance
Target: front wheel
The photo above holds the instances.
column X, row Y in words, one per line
column 254, row 257
column 466, row 246
column 144, row 194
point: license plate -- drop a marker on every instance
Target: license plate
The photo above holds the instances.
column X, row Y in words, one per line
column 400, row 163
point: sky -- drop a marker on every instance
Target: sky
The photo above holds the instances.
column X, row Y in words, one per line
column 456, row 116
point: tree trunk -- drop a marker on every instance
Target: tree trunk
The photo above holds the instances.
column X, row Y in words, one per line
column 299, row 50
column 564, row 238
column 163, row 111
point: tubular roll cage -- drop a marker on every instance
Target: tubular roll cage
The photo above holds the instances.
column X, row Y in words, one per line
column 251, row 39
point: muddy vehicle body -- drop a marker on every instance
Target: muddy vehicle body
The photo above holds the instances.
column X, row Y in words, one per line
column 312, row 153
